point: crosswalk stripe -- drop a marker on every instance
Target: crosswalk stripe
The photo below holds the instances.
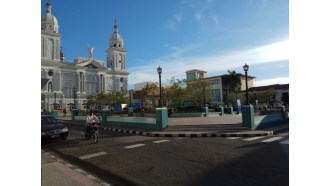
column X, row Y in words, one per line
column 253, row 138
column 160, row 141
column 234, row 137
column 92, row 155
column 133, row 146
column 285, row 142
column 272, row 139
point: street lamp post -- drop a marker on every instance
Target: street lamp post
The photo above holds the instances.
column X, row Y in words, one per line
column 159, row 70
column 246, row 68
column 163, row 92
column 74, row 98
column 54, row 100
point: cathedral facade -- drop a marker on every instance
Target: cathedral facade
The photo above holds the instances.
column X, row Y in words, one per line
column 67, row 84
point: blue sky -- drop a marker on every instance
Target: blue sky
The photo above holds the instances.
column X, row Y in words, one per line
column 179, row 35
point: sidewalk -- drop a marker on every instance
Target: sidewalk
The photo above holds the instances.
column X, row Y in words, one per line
column 56, row 172
column 212, row 126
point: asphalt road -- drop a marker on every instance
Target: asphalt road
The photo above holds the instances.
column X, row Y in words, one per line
column 124, row 159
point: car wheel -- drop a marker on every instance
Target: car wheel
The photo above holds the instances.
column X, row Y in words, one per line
column 63, row 138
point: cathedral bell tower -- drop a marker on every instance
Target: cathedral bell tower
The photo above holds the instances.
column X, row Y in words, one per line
column 50, row 36
column 116, row 63
column 116, row 53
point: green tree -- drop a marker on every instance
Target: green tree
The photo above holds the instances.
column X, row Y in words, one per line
column 101, row 99
column 266, row 97
column 199, row 91
column 177, row 93
column 230, row 82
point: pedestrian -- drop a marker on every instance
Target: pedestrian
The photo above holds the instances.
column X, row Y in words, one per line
column 64, row 112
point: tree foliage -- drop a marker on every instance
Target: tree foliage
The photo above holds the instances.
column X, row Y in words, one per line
column 107, row 99
column 199, row 91
column 177, row 91
column 232, row 79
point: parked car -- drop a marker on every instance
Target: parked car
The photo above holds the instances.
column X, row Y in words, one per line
column 51, row 129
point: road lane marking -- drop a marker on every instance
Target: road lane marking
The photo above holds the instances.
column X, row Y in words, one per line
column 79, row 170
column 285, row 142
column 254, row 138
column 133, row 146
column 234, row 137
column 92, row 155
column 160, row 141
column 91, row 177
column 272, row 139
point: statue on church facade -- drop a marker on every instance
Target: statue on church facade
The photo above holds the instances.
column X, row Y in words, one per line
column 90, row 52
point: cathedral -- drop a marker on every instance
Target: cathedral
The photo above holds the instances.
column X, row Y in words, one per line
column 67, row 84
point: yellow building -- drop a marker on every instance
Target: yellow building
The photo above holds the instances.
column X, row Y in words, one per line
column 219, row 91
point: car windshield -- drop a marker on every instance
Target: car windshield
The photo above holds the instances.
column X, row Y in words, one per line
column 48, row 120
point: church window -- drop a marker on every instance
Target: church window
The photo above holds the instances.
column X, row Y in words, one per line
column 114, row 45
column 68, row 90
column 50, row 87
column 90, row 84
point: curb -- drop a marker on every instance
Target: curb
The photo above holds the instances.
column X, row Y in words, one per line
column 153, row 134
column 74, row 168
column 191, row 135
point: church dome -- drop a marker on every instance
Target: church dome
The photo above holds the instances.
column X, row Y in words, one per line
column 48, row 21
column 116, row 40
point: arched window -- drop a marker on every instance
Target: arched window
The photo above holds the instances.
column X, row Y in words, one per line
column 50, row 49
column 90, row 84
column 50, row 87
column 68, row 90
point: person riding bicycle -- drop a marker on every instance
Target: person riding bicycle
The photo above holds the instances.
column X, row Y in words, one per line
column 89, row 121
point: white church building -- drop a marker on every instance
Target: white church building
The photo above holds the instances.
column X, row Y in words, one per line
column 67, row 84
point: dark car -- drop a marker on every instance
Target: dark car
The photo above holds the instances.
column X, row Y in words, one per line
column 51, row 129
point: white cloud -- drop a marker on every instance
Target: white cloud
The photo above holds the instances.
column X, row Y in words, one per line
column 216, row 21
column 172, row 23
column 212, row 64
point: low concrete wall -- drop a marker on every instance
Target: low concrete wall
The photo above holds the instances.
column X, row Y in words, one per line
column 79, row 118
column 265, row 121
column 132, row 122
column 193, row 114
column 158, row 123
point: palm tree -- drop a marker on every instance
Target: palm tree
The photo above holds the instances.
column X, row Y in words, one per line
column 230, row 82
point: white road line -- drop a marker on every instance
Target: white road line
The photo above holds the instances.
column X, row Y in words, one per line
column 133, row 146
column 160, row 141
column 272, row 139
column 78, row 170
column 92, row 155
column 234, row 137
column 105, row 184
column 285, row 142
column 91, row 177
column 253, row 138
column 69, row 165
